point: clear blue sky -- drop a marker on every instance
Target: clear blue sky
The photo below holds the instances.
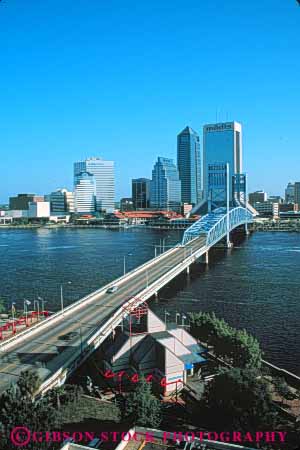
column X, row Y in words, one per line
column 120, row 78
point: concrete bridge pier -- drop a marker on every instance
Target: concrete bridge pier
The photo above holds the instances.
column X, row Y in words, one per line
column 205, row 258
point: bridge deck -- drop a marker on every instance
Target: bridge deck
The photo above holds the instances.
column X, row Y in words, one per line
column 47, row 351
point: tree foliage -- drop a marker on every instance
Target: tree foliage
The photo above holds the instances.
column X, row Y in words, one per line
column 143, row 407
column 237, row 347
column 239, row 399
column 18, row 408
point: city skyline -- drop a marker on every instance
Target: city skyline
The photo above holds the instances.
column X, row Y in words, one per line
column 73, row 87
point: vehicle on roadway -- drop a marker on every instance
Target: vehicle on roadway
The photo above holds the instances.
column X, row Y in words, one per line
column 112, row 289
column 69, row 336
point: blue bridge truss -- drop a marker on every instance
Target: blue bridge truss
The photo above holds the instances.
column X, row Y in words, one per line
column 217, row 224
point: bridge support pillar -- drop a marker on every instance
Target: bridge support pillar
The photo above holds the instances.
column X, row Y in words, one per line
column 188, row 270
column 205, row 257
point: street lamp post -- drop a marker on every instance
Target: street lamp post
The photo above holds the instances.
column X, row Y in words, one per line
column 26, row 303
column 13, row 310
column 62, row 296
column 43, row 303
column 124, row 262
column 38, row 308
column 166, row 315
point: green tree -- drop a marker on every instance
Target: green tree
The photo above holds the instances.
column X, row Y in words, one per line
column 237, row 347
column 239, row 399
column 143, row 407
column 28, row 383
column 67, row 394
column 18, row 408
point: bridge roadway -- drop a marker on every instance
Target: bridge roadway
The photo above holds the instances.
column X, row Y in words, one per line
column 47, row 351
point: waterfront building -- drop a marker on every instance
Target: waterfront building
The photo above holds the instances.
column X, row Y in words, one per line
column 165, row 190
column 126, row 204
column 61, row 201
column 189, row 166
column 257, row 197
column 297, row 193
column 267, row 209
column 290, row 193
column 85, row 193
column 141, row 193
column 21, row 202
column 186, row 208
column 222, row 143
column 167, row 352
column 38, row 210
column 104, row 176
column 288, row 207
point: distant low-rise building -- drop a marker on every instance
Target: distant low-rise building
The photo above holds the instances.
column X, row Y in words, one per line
column 126, row 204
column 257, row 197
column 39, row 210
column 267, row 209
column 275, row 199
column 61, row 201
column 186, row 208
column 297, row 193
column 288, row 207
column 21, row 202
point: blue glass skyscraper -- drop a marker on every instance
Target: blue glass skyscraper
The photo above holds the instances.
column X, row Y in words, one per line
column 165, row 186
column 222, row 143
column 189, row 166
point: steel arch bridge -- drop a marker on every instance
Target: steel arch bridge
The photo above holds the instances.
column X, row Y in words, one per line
column 217, row 224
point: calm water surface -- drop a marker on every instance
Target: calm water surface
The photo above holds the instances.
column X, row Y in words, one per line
column 255, row 286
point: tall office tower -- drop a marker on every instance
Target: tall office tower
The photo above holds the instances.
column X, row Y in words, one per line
column 189, row 166
column 165, row 186
column 141, row 193
column 297, row 193
column 290, row 193
column 104, row 174
column 222, row 143
column 62, row 201
column 85, row 193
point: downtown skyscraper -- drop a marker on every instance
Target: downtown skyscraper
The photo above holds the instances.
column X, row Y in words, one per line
column 189, row 166
column 222, row 143
column 85, row 193
column 104, row 175
column 165, row 186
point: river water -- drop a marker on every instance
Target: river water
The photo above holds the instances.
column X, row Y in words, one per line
column 254, row 286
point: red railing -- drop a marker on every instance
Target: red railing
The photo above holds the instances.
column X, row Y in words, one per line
column 23, row 320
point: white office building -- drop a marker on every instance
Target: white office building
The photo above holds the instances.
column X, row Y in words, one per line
column 104, row 174
column 85, row 193
column 38, row 210
column 222, row 143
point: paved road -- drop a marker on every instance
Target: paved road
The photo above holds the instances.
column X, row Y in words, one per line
column 47, row 349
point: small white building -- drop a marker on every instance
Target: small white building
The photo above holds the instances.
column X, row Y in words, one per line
column 39, row 210
column 169, row 354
